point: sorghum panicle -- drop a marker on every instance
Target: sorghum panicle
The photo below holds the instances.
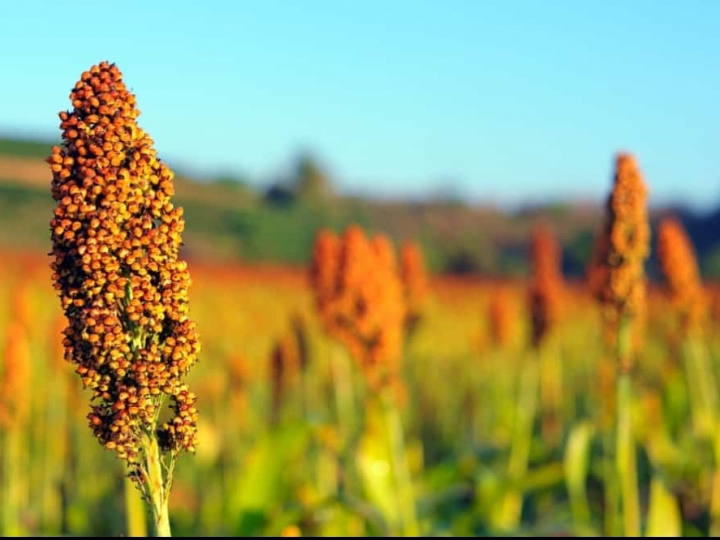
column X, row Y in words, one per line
column 323, row 273
column 682, row 281
column 617, row 274
column 359, row 297
column 116, row 237
column 546, row 282
column 415, row 281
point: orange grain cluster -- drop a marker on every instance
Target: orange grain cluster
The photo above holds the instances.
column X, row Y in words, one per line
column 415, row 282
column 123, row 288
column 546, row 281
column 617, row 273
column 359, row 299
column 681, row 276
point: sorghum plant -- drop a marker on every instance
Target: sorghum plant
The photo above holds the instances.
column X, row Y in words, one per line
column 617, row 279
column 546, row 282
column 116, row 237
column 545, row 298
column 360, row 299
column 685, row 289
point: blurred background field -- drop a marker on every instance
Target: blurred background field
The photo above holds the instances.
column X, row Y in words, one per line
column 458, row 128
column 273, row 455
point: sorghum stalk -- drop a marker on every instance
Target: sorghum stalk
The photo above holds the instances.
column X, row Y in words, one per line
column 618, row 283
column 116, row 237
column 685, row 290
column 360, row 299
column 544, row 303
column 522, row 436
column 396, row 439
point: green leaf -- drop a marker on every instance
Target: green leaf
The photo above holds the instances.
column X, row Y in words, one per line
column 262, row 484
column 663, row 512
column 374, row 464
column 576, row 470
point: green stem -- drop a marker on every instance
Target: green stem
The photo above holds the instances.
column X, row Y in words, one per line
column 701, row 379
column 611, row 521
column 344, row 395
column 551, row 391
column 626, row 459
column 54, row 453
column 14, row 491
column 715, row 493
column 521, row 441
column 576, row 469
column 156, row 488
column 403, row 479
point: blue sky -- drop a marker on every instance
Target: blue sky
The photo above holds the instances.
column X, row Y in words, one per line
column 497, row 100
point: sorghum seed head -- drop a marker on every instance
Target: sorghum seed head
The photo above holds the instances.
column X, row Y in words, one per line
column 360, row 300
column 415, row 282
column 546, row 281
column 116, row 237
column 617, row 274
column 681, row 276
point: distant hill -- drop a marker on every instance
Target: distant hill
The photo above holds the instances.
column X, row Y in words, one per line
column 25, row 148
column 232, row 220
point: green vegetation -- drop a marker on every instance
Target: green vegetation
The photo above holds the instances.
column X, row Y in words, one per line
column 10, row 146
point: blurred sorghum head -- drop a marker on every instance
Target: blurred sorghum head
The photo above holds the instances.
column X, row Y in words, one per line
column 546, row 282
column 617, row 270
column 681, row 276
column 359, row 296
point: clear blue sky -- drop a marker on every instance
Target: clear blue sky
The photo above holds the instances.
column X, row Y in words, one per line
column 499, row 100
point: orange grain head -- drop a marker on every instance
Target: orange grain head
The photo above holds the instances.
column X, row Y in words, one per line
column 617, row 271
column 323, row 274
column 545, row 295
column 681, row 276
column 362, row 302
column 415, row 282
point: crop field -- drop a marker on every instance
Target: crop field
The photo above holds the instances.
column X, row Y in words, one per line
column 149, row 389
column 489, row 436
